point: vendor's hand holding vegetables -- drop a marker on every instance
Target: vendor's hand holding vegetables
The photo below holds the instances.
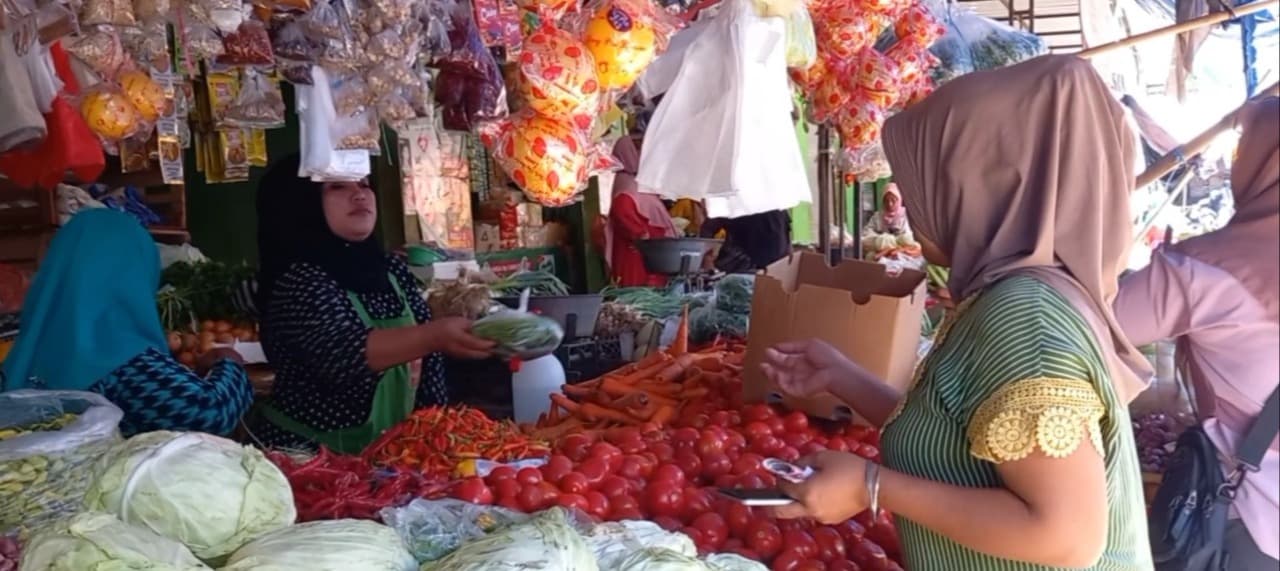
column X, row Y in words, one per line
column 342, row 319
column 1011, row 447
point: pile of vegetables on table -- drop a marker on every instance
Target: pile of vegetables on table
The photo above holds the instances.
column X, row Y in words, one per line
column 435, row 441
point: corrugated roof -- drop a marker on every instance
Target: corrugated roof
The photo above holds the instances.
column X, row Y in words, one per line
column 1057, row 21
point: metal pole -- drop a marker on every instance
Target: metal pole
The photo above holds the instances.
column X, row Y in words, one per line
column 824, row 190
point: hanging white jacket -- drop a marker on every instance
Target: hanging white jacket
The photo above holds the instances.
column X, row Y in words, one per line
column 723, row 132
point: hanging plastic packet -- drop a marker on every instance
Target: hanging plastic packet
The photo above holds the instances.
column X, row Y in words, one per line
column 148, row 45
column 914, row 65
column 919, row 26
column 259, row 104
column 470, row 88
column 101, row 50
column 802, row 46
column 147, row 96
column 323, row 21
column 434, row 16
column 558, row 77
column 351, row 95
column 249, row 45
column 107, row 13
column 844, row 30
column 289, row 42
column 384, row 79
column 200, row 41
column 875, row 77
column 109, row 113
column 357, row 132
column 548, row 159
column 499, row 25
column 151, row 11
column 319, row 159
column 624, row 37
column 225, row 15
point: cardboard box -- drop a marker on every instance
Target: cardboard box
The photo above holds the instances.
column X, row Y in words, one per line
column 871, row 316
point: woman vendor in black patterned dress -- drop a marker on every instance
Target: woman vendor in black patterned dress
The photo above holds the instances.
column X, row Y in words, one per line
column 342, row 320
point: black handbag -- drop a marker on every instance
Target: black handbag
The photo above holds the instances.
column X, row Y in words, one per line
column 1188, row 519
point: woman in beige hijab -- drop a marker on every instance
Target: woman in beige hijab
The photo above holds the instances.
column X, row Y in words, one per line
column 1012, row 449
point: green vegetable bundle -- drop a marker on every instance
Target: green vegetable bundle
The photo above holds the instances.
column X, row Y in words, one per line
column 654, row 303
column 734, row 293
column 539, row 283
column 205, row 289
column 519, row 334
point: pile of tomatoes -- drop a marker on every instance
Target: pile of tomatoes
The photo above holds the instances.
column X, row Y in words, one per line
column 669, row 476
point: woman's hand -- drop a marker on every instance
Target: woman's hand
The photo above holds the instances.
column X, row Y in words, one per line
column 807, row 368
column 212, row 356
column 452, row 336
column 835, row 492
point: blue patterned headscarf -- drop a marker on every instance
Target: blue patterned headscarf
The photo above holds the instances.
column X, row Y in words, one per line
column 92, row 306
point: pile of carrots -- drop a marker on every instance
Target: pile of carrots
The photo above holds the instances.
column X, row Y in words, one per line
column 652, row 391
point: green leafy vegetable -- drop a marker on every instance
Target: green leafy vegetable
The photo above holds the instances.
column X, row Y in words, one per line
column 519, row 334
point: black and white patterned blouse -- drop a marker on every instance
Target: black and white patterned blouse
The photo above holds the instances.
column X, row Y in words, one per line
column 315, row 342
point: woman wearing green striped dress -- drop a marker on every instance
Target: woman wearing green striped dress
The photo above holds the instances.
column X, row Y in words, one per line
column 1011, row 450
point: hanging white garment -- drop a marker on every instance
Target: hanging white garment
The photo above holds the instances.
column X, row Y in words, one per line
column 723, row 132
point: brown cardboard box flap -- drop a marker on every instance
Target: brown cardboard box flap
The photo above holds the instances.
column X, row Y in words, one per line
column 873, row 317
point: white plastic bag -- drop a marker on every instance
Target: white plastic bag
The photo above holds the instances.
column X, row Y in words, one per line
column 44, row 475
column 432, row 529
column 613, row 542
column 975, row 43
column 723, row 132
column 320, row 158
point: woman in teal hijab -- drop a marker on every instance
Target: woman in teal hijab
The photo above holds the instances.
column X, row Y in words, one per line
column 89, row 322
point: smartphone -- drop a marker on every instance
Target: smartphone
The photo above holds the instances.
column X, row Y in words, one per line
column 787, row 471
column 762, row 498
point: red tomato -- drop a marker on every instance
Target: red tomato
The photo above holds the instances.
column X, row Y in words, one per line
column 668, row 523
column 869, row 556
column 796, row 439
column 699, row 421
column 574, row 483
column 764, row 537
column 624, row 507
column 842, row 565
column 738, row 517
column 662, row 451
column 529, row 477
column 796, row 421
column 766, row 445
column 722, row 418
column 811, row 565
column 473, row 490
column 500, row 473
column 594, row 469
column 531, row 498
column 714, row 529
column 885, row 534
column 752, row 482
column 830, row 543
column 726, row 481
column 747, row 463
column 744, row 552
column 671, row 473
column 811, row 447
column 696, row 502
column 632, row 446
column 837, row 444
column 858, row 432
column 709, row 443
column 716, row 465
column 756, row 429
column 787, row 561
column 574, row 501
column 758, row 412
column 866, row 451
column 777, row 426
column 800, row 542
column 635, row 468
column 664, row 498
column 507, row 488
column 611, row 455
column 685, row 435
column 510, row 502
column 597, row 504
column 550, row 493
column 556, row 467
column 614, row 486
column 621, row 435
column 576, row 446
column 734, row 439
column 788, row 454
column 851, row 531
column 689, row 463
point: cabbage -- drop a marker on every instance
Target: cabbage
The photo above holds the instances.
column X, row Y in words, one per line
column 545, row 543
column 612, row 542
column 659, row 559
column 336, row 545
column 91, row 541
column 732, row 562
column 209, row 493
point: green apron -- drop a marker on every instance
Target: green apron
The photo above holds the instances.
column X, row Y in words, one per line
column 392, row 400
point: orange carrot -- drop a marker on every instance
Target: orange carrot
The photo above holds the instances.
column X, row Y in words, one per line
column 664, row 415
column 680, row 346
column 566, row 403
column 594, row 411
column 614, row 387
column 676, row 370
column 643, row 373
column 577, row 391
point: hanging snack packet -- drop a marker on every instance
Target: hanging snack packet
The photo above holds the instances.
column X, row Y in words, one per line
column 624, row 37
column 109, row 114
column 107, row 13
column 290, row 42
column 351, row 95
column 147, row 96
column 152, row 11
column 225, row 15
column 875, row 77
column 547, row 158
column 918, row 26
column 101, row 50
column 558, row 77
column 844, row 30
column 249, row 45
column 259, row 104
column 323, row 21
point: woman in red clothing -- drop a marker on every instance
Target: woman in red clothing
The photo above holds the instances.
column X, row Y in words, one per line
column 633, row 216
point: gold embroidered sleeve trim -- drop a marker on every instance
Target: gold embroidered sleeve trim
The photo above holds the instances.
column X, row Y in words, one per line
column 1053, row 415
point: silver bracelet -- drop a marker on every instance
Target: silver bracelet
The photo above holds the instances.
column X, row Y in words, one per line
column 873, row 486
